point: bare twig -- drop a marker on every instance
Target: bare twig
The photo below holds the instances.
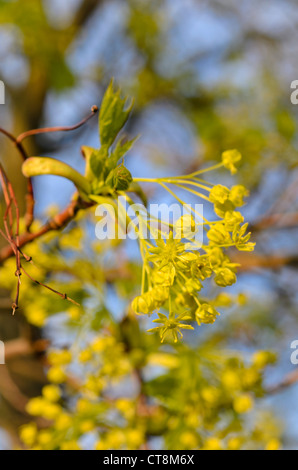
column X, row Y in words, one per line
column 7, row 199
column 288, row 381
column 30, row 203
column 251, row 262
column 63, row 296
column 277, row 222
column 15, row 242
column 29, row 216
column 47, row 130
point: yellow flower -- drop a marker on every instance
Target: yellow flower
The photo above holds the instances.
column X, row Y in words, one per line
column 125, row 406
column 103, row 343
column 51, row 393
column 84, row 406
column 212, row 443
column 28, row 434
column 219, row 235
column 74, row 313
column 242, row 299
column 232, row 219
column 219, row 194
column 36, row 317
column 206, row 314
column 85, row 356
column 94, row 384
column 63, row 422
column 225, row 277
column 71, row 445
column 231, row 380
column 223, row 300
column 273, row 444
column 243, row 404
column 140, row 305
column 100, row 445
column 211, row 395
column 45, row 438
column 234, row 443
column 135, row 438
column 35, row 406
column 56, row 375
column 261, row 359
column 185, row 227
column 237, row 194
column 115, row 439
column 250, row 377
column 60, row 358
column 87, row 426
column 51, row 411
column 229, row 158
column 189, row 440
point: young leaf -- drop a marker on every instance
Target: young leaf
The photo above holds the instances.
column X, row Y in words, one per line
column 95, row 161
column 114, row 113
column 122, row 147
column 121, row 178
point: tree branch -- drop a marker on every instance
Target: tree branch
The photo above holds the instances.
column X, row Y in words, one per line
column 276, row 222
column 251, row 262
column 56, row 223
column 288, row 381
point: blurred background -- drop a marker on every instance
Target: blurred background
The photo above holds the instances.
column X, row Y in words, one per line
column 206, row 76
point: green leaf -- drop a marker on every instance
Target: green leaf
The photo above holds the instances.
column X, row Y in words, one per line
column 121, row 178
column 95, row 162
column 114, row 113
column 122, row 147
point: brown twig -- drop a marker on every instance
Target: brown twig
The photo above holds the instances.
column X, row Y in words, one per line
column 18, row 272
column 48, row 130
column 251, row 262
column 277, row 222
column 30, row 203
column 15, row 241
column 63, row 296
column 7, row 199
column 10, row 199
column 29, row 216
column 56, row 223
column 288, row 381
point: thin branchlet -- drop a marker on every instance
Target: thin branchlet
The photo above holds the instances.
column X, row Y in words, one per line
column 11, row 221
column 47, row 130
column 17, row 141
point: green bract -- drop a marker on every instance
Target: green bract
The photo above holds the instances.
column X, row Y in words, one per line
column 36, row 166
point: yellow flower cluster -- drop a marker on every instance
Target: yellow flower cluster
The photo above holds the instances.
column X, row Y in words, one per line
column 174, row 273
